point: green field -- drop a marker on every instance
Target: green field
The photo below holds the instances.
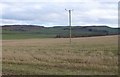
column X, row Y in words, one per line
column 25, row 32
column 55, row 56
column 25, row 36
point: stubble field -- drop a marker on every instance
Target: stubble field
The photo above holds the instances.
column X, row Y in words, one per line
column 55, row 56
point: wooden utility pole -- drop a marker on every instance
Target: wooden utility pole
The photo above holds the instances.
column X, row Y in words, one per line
column 70, row 23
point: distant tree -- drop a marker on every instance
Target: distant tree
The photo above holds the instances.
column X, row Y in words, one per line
column 90, row 29
column 58, row 36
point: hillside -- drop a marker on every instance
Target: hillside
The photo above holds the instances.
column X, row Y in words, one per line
column 34, row 31
column 21, row 27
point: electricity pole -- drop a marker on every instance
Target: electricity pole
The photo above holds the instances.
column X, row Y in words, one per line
column 69, row 22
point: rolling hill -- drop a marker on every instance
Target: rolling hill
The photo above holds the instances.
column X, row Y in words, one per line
column 35, row 31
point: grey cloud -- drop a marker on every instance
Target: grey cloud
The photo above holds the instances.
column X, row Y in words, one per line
column 54, row 12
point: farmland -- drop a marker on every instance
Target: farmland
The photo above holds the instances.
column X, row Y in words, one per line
column 55, row 56
column 33, row 31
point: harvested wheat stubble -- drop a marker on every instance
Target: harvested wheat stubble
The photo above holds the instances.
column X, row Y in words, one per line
column 92, row 55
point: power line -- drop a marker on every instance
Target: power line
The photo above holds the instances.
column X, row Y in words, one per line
column 69, row 11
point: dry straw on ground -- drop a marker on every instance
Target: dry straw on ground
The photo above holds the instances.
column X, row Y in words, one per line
column 91, row 55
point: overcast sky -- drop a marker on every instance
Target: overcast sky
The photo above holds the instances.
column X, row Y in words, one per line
column 52, row 12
